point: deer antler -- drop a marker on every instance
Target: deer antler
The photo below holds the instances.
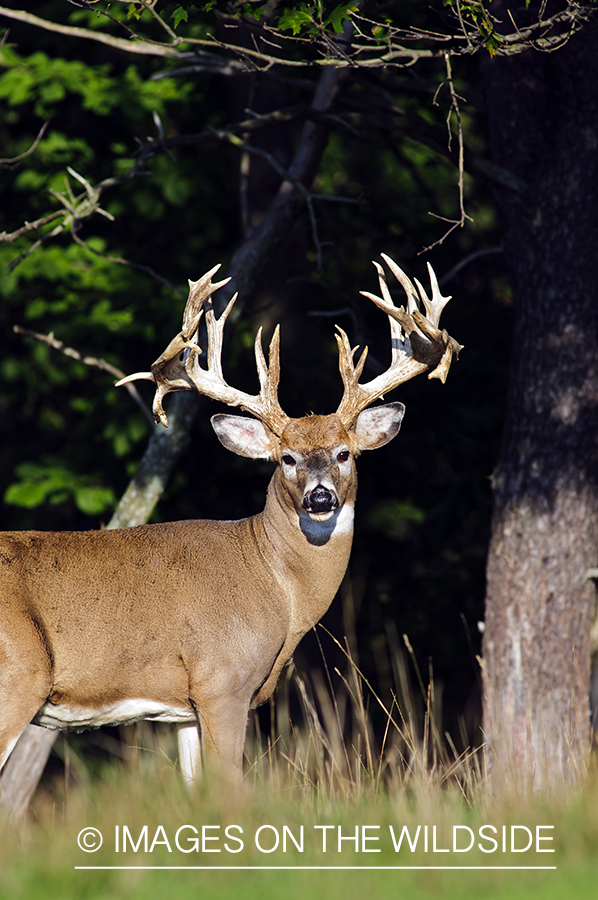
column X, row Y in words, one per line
column 178, row 369
column 417, row 343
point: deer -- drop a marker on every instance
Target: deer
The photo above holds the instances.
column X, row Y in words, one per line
column 192, row 622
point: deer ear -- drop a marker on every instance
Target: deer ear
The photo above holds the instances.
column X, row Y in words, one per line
column 246, row 437
column 377, row 426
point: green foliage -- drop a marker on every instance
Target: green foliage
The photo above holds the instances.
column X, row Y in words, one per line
column 54, row 484
column 179, row 15
column 475, row 12
column 46, row 82
column 301, row 17
column 395, row 518
column 310, row 17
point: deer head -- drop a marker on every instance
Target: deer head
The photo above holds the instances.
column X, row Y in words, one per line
column 315, row 453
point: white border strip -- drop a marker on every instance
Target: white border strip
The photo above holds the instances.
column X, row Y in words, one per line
column 315, row 868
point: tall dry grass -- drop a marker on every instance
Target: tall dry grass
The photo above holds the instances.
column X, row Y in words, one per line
column 335, row 753
column 333, row 749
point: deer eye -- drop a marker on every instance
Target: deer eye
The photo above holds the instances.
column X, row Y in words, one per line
column 343, row 456
column 288, row 460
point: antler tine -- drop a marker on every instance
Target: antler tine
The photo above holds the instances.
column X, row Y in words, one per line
column 269, row 376
column 396, row 330
column 345, row 357
column 178, row 368
column 418, row 345
column 199, row 291
column 405, row 282
column 215, row 328
column 438, row 301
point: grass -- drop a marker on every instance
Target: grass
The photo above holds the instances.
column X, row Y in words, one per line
column 304, row 780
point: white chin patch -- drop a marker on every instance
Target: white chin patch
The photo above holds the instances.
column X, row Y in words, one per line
column 322, row 517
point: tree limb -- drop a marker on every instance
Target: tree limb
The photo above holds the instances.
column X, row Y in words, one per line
column 9, row 163
column 468, row 39
column 103, row 364
column 142, row 47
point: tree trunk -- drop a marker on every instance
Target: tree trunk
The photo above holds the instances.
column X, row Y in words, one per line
column 543, row 125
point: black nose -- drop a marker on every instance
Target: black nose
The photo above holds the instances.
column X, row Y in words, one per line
column 320, row 500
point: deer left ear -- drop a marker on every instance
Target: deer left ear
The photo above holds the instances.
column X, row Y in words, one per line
column 377, row 426
column 244, row 436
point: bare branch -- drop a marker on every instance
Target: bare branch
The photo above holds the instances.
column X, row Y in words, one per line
column 454, row 108
column 76, row 208
column 141, row 46
column 29, row 226
column 9, row 163
column 126, row 262
column 476, row 254
column 309, row 197
column 51, row 341
column 380, row 44
column 158, row 18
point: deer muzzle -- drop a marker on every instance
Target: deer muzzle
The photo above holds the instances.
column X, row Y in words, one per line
column 320, row 501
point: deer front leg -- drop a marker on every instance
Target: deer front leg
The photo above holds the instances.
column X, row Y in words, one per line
column 223, row 722
column 189, row 752
column 25, row 677
column 24, row 768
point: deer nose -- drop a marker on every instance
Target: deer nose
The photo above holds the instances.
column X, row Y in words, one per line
column 320, row 500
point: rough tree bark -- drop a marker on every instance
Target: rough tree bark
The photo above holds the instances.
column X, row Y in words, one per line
column 543, row 125
column 27, row 761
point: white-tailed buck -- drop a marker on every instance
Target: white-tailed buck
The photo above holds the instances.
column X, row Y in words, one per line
column 191, row 622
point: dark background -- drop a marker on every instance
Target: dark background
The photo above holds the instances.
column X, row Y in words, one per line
column 69, row 441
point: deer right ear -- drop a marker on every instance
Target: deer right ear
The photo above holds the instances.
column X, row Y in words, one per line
column 378, row 425
column 246, row 437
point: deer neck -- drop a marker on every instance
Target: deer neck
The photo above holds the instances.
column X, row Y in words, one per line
column 308, row 557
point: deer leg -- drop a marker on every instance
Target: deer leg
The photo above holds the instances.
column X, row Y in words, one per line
column 25, row 677
column 223, row 723
column 24, row 769
column 189, row 752
column 19, row 781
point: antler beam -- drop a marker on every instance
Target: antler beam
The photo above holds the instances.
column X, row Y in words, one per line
column 418, row 345
column 178, row 368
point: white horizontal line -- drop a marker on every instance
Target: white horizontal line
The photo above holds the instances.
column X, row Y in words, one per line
column 318, row 868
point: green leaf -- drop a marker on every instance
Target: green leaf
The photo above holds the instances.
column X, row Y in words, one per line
column 296, row 19
column 26, row 494
column 179, row 15
column 133, row 12
column 55, row 484
column 94, row 500
column 339, row 15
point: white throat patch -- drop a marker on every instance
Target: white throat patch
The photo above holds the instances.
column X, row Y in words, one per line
column 319, row 531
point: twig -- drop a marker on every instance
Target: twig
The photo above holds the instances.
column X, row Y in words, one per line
column 76, row 208
column 332, row 313
column 236, row 141
column 389, row 53
column 8, row 163
column 143, row 46
column 454, row 108
column 158, row 18
column 30, row 226
column 88, row 361
column 126, row 262
column 476, row 254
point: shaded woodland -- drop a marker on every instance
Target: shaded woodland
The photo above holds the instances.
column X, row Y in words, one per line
column 189, row 155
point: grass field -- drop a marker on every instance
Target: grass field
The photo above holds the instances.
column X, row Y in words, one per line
column 406, row 817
